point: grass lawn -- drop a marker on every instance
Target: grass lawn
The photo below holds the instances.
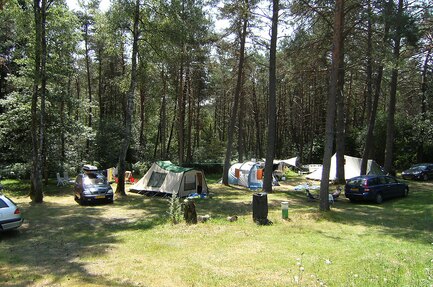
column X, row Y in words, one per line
column 130, row 242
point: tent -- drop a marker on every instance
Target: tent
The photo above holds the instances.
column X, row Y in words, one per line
column 249, row 174
column 165, row 177
column 352, row 168
column 286, row 163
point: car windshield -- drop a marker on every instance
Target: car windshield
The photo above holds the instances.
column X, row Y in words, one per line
column 95, row 179
column 418, row 168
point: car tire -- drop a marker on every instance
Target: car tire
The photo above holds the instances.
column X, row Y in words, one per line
column 379, row 198
column 352, row 200
column 82, row 201
column 425, row 177
column 406, row 192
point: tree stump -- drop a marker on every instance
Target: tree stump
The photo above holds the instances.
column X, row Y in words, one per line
column 189, row 213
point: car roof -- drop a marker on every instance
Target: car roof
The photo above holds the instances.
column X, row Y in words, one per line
column 369, row 176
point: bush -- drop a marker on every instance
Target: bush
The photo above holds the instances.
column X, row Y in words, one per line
column 16, row 170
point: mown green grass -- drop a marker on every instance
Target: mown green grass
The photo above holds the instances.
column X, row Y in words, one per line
column 131, row 243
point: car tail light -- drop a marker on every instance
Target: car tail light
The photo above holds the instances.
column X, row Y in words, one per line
column 365, row 186
column 17, row 211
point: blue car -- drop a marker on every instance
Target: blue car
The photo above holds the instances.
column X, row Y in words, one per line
column 374, row 188
column 422, row 171
column 92, row 186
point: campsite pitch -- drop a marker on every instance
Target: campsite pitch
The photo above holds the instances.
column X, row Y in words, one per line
column 131, row 243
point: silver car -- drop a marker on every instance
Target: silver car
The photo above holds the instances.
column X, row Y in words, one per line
column 10, row 214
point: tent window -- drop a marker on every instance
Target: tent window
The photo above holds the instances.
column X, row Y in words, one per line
column 189, row 183
column 156, row 179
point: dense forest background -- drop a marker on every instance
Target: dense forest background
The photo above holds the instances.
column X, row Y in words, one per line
column 187, row 74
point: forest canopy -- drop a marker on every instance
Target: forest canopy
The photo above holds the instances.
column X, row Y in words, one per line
column 186, row 75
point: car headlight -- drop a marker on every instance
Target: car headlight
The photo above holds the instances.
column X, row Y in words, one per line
column 86, row 192
column 110, row 191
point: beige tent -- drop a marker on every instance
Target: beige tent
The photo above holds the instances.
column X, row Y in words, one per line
column 165, row 177
column 352, row 168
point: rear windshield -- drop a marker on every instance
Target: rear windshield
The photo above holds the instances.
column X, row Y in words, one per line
column 357, row 181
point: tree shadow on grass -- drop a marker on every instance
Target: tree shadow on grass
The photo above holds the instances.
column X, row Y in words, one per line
column 409, row 218
column 57, row 237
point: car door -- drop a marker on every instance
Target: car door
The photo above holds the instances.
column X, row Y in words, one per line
column 394, row 187
column 430, row 171
column 382, row 187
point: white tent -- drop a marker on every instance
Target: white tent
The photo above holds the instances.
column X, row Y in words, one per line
column 352, row 168
column 165, row 177
column 282, row 164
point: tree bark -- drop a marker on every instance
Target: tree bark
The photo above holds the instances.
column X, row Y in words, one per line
column 424, row 79
column 88, row 76
column 369, row 141
column 340, row 132
column 120, row 190
column 230, row 133
column 36, row 191
column 390, row 123
column 331, row 107
column 272, row 101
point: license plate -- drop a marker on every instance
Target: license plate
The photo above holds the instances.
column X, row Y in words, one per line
column 100, row 196
column 354, row 189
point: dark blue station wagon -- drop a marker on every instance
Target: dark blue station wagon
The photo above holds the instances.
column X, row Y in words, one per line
column 374, row 188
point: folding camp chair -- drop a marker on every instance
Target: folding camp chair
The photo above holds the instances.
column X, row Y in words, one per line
column 66, row 178
column 60, row 180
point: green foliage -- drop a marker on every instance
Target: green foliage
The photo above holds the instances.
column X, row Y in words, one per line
column 174, row 209
column 290, row 173
column 140, row 167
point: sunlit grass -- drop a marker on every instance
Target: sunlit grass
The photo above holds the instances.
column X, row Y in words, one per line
column 131, row 242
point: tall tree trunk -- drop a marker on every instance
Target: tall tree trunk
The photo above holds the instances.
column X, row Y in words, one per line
column 390, row 123
column 241, row 115
column 369, row 140
column 331, row 108
column 340, row 132
column 424, row 79
column 181, row 118
column 190, row 117
column 258, row 130
column 36, row 191
column 272, row 101
column 163, row 115
column 120, row 190
column 231, row 129
column 42, row 120
column 89, row 81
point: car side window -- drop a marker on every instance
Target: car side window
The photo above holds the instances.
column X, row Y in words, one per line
column 79, row 180
column 3, row 204
column 382, row 180
column 373, row 181
column 391, row 180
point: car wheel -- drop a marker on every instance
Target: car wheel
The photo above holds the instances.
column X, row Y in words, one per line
column 425, row 177
column 82, row 201
column 379, row 198
column 406, row 192
column 352, row 200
